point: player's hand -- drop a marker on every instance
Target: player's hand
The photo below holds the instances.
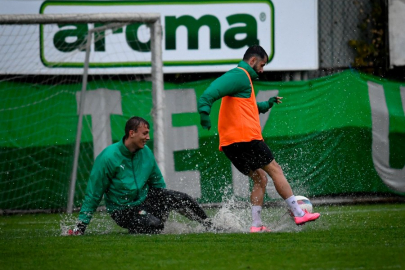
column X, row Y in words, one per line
column 205, row 120
column 78, row 230
column 273, row 100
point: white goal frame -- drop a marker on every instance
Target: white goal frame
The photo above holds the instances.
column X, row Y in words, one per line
column 113, row 20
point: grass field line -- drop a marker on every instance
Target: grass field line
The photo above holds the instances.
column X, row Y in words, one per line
column 365, row 211
column 32, row 222
column 359, row 268
column 327, row 212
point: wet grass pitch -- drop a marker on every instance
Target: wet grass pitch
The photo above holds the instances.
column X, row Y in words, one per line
column 345, row 237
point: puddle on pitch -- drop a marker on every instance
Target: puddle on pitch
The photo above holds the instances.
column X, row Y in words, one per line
column 231, row 217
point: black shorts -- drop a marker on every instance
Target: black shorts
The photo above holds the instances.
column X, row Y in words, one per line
column 248, row 156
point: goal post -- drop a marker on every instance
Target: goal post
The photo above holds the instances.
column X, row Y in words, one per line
column 102, row 22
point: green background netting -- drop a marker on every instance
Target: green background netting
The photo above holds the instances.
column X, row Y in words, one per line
column 320, row 135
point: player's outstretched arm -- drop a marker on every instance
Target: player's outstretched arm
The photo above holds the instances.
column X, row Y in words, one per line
column 264, row 106
column 274, row 100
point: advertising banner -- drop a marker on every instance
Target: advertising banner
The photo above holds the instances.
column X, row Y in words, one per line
column 198, row 36
column 342, row 134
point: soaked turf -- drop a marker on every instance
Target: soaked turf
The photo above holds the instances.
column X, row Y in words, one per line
column 345, row 237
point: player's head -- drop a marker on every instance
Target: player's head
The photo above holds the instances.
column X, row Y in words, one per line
column 256, row 57
column 133, row 124
column 137, row 132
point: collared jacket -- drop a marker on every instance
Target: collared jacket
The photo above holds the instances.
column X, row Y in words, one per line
column 122, row 177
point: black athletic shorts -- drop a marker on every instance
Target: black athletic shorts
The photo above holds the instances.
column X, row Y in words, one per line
column 248, row 156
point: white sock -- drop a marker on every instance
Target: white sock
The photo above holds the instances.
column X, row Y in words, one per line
column 256, row 215
column 294, row 207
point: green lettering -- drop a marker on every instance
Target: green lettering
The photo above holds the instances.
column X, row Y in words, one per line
column 131, row 34
column 79, row 32
column 250, row 29
column 99, row 39
column 193, row 25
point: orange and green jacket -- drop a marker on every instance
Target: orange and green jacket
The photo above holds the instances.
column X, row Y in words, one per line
column 239, row 113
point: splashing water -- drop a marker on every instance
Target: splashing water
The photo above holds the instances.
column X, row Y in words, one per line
column 176, row 227
column 67, row 221
column 282, row 221
column 101, row 223
column 234, row 216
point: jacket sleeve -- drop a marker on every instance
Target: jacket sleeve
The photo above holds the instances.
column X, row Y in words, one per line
column 229, row 84
column 99, row 182
column 156, row 178
column 263, row 106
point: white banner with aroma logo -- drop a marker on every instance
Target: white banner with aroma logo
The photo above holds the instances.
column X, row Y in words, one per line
column 204, row 36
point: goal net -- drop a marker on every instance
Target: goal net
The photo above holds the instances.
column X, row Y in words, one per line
column 68, row 84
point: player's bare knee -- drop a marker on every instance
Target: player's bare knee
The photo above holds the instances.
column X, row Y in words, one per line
column 274, row 169
column 263, row 181
column 259, row 178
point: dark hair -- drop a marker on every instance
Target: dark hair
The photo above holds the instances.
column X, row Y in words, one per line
column 255, row 50
column 133, row 123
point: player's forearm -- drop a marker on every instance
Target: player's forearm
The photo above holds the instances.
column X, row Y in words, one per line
column 85, row 217
column 94, row 193
column 156, row 179
column 89, row 206
column 263, row 106
column 206, row 101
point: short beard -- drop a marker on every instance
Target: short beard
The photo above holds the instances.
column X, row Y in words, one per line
column 255, row 69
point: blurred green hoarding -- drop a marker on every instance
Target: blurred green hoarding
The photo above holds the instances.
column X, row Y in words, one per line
column 341, row 134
